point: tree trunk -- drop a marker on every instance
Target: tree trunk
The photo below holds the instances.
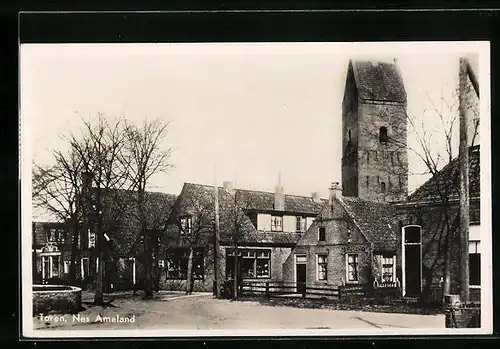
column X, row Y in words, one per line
column 236, row 274
column 98, row 298
column 446, row 264
column 74, row 233
column 189, row 278
column 148, row 282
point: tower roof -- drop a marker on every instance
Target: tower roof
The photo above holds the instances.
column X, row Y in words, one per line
column 378, row 81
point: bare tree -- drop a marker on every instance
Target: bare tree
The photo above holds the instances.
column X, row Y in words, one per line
column 195, row 221
column 57, row 189
column 144, row 155
column 99, row 148
column 234, row 224
column 436, row 148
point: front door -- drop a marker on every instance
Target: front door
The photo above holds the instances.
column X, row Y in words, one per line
column 301, row 277
column 412, row 269
column 412, row 259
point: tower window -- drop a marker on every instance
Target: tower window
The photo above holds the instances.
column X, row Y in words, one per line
column 349, row 136
column 382, row 187
column 382, row 135
column 367, row 182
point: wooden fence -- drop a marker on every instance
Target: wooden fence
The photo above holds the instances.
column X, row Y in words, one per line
column 280, row 289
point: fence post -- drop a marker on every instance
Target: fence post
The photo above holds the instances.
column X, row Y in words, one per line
column 267, row 289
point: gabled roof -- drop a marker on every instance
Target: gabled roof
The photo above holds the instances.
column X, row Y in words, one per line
column 264, row 201
column 123, row 227
column 376, row 220
column 378, row 81
column 448, row 179
column 247, row 200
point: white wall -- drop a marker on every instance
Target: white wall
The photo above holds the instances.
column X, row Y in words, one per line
column 264, row 222
column 474, row 232
column 289, row 223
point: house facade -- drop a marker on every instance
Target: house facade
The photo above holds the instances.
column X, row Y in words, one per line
column 351, row 242
column 53, row 244
column 261, row 228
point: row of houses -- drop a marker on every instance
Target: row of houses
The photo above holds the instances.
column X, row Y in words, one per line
column 368, row 232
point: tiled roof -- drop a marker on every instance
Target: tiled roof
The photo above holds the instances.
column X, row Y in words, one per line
column 125, row 231
column 376, row 220
column 264, row 201
column 259, row 200
column 247, row 200
column 379, row 81
column 120, row 220
column 448, row 179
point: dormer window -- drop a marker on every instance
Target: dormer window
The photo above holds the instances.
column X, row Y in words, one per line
column 300, row 225
column 382, row 135
column 276, row 223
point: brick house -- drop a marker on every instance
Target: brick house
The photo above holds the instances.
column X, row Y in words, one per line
column 352, row 241
column 268, row 225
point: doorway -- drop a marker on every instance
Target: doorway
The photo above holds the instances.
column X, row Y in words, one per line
column 301, row 273
column 412, row 260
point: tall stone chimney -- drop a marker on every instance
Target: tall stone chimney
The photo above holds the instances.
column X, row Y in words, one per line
column 279, row 196
column 335, row 192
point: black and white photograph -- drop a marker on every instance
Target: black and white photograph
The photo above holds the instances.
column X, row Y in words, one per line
column 255, row 189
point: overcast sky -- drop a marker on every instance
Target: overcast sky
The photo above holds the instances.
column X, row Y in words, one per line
column 251, row 110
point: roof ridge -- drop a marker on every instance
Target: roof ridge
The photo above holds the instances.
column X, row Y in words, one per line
column 472, row 149
column 252, row 190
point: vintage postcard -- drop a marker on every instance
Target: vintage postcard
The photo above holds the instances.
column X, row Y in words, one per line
column 255, row 189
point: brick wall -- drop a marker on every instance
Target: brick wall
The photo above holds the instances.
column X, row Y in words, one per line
column 382, row 162
column 434, row 230
column 336, row 259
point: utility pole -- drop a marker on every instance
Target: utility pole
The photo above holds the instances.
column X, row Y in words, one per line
column 217, row 241
column 464, row 183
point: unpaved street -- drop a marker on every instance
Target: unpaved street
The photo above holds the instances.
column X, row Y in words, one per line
column 205, row 312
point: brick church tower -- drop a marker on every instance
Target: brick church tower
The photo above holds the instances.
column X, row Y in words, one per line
column 374, row 154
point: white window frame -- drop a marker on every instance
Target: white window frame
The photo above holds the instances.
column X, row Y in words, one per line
column 50, row 256
column 67, row 266
column 161, row 263
column 477, row 245
column 403, row 260
column 319, row 234
column 393, row 268
column 187, row 227
column 276, row 227
column 90, row 234
column 82, row 269
column 326, row 267
column 347, row 268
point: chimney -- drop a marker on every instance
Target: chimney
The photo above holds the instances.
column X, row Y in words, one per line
column 315, row 197
column 279, row 196
column 228, row 186
column 335, row 192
